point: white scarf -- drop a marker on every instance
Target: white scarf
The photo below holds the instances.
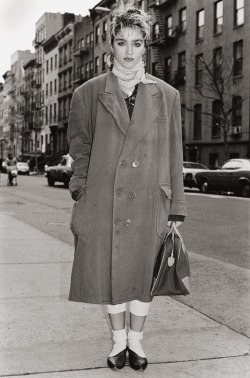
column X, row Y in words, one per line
column 129, row 77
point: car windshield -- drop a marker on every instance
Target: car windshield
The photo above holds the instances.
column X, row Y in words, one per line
column 194, row 165
column 234, row 164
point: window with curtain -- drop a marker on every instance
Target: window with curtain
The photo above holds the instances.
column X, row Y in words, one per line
column 238, row 58
column 200, row 24
column 238, row 12
column 197, row 121
column 182, row 20
column 218, row 17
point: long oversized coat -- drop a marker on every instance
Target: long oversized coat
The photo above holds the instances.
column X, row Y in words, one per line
column 129, row 177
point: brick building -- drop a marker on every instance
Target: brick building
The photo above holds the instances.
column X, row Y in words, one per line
column 203, row 49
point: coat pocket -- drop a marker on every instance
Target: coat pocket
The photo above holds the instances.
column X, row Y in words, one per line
column 77, row 213
column 163, row 208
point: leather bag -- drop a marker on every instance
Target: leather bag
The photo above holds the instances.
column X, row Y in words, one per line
column 172, row 270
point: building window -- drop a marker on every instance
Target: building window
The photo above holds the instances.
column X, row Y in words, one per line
column 142, row 6
column 55, row 112
column 97, row 34
column 156, row 31
column 87, row 39
column 47, row 66
column 182, row 20
column 238, row 58
column 65, row 55
column 97, row 62
column 70, row 77
column 216, row 119
column 104, row 61
column 237, row 111
column 197, row 121
column 91, row 38
column 198, row 69
column 46, row 115
column 238, row 12
column 87, row 70
column 51, row 64
column 218, row 17
column 51, row 88
column 199, row 24
column 60, row 83
column 182, row 65
column 56, row 61
column 47, row 90
column 168, row 68
column 55, row 85
column 70, row 50
column 82, row 42
column 217, row 63
column 91, row 68
column 65, row 80
column 169, row 26
column 50, row 114
column 60, row 58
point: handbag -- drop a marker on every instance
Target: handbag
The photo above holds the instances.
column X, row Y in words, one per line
column 172, row 270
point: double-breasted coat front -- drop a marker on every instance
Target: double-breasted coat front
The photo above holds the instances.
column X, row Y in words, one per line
column 129, row 177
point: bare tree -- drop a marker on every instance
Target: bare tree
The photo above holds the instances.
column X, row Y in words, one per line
column 218, row 78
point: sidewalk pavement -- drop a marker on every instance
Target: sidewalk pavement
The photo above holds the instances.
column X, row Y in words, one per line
column 44, row 335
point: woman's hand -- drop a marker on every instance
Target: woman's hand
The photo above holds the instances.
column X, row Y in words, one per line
column 177, row 224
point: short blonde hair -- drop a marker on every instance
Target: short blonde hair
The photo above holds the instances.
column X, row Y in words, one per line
column 132, row 18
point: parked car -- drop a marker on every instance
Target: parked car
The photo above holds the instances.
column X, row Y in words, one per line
column 189, row 173
column 61, row 172
column 23, row 168
column 233, row 176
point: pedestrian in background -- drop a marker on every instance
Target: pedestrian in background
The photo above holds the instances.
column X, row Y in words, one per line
column 124, row 136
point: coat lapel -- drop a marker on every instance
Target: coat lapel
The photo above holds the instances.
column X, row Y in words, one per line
column 146, row 109
column 114, row 102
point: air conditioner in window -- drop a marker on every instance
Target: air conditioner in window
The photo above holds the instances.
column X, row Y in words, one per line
column 236, row 130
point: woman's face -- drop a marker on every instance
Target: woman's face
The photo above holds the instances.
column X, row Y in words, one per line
column 128, row 47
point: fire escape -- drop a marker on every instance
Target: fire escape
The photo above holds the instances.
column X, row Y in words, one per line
column 162, row 36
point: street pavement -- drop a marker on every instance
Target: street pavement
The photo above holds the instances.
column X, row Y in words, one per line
column 44, row 335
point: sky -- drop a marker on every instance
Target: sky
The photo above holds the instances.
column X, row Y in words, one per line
column 18, row 19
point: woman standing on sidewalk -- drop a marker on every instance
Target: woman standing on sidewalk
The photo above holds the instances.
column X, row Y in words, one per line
column 125, row 139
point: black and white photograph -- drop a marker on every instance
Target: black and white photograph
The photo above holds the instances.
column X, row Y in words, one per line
column 125, row 188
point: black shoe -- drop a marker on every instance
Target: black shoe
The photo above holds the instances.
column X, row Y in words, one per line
column 118, row 361
column 137, row 362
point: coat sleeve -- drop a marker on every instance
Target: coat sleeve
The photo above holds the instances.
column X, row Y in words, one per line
column 178, row 204
column 80, row 140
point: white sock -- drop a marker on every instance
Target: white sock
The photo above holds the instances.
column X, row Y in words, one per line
column 119, row 342
column 134, row 342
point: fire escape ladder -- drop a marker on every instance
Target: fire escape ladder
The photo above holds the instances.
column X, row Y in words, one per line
column 156, row 48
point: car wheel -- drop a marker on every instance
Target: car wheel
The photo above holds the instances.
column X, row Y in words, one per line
column 244, row 190
column 204, row 188
column 51, row 182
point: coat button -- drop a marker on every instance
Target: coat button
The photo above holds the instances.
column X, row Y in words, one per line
column 117, row 221
column 123, row 164
column 119, row 192
column 135, row 164
column 131, row 195
column 128, row 222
